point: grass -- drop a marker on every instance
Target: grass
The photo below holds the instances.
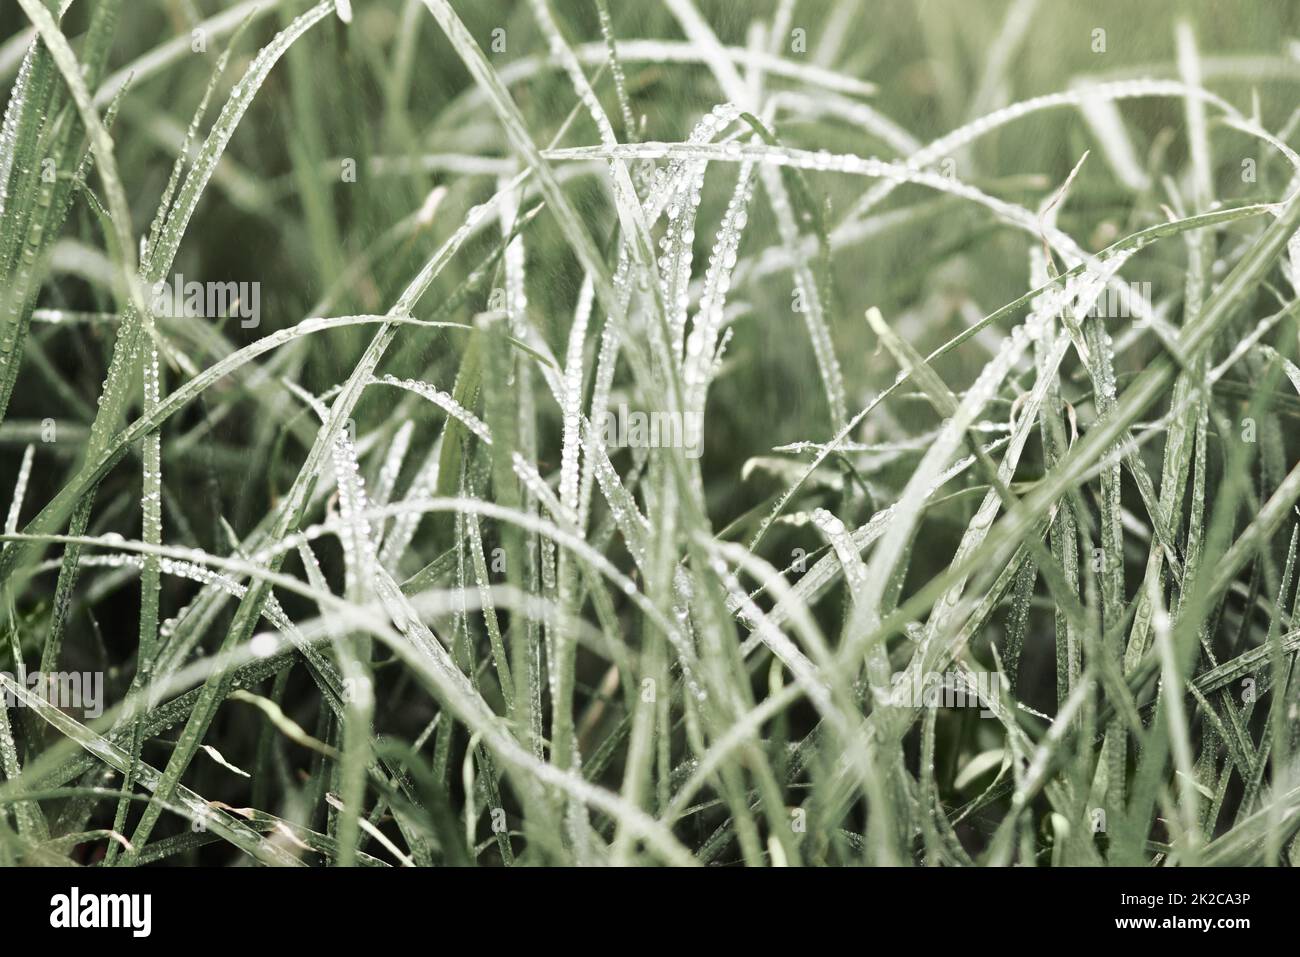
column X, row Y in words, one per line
column 990, row 322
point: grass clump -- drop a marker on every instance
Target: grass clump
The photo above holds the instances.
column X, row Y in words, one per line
column 665, row 435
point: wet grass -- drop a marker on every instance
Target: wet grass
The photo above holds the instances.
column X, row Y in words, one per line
column 965, row 532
